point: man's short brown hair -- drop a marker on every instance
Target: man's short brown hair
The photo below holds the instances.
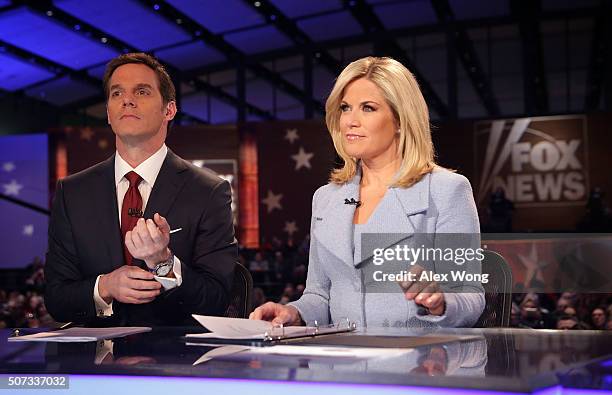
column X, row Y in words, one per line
column 166, row 86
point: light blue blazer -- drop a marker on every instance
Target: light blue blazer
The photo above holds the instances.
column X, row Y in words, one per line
column 441, row 202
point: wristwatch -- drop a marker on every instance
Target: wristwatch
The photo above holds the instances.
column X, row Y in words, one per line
column 163, row 268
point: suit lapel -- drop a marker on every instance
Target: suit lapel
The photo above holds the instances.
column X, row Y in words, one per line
column 391, row 221
column 109, row 214
column 335, row 233
column 167, row 186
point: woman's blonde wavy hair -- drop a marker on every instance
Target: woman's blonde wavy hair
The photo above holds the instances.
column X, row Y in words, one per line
column 401, row 91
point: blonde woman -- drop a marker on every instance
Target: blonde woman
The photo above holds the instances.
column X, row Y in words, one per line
column 390, row 184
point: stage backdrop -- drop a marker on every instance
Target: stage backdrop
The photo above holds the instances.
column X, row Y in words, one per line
column 24, row 186
column 294, row 158
column 547, row 166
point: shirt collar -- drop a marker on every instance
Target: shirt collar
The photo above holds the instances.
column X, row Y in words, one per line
column 148, row 170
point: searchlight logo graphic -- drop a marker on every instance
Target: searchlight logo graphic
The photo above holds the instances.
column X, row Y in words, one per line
column 538, row 162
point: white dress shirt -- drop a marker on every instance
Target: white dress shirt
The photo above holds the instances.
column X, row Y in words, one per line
column 148, row 171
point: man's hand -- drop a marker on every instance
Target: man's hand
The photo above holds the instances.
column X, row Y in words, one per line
column 277, row 313
column 149, row 240
column 128, row 284
column 424, row 293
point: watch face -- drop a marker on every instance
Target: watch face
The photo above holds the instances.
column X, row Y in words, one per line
column 164, row 269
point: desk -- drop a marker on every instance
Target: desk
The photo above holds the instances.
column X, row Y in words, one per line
column 498, row 361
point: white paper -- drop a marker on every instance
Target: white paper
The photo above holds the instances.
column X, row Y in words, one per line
column 219, row 352
column 305, row 351
column 81, row 334
column 327, row 351
column 166, row 282
column 240, row 328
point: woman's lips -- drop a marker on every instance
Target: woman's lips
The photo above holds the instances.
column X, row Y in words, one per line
column 353, row 136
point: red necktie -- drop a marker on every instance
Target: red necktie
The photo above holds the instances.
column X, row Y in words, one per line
column 131, row 211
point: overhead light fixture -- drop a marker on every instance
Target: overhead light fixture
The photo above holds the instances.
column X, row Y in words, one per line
column 49, row 13
column 257, row 4
column 104, row 40
column 156, row 7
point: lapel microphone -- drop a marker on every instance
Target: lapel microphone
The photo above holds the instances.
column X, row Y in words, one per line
column 353, row 202
column 135, row 212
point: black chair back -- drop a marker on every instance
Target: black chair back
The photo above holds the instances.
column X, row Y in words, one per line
column 498, row 292
column 242, row 293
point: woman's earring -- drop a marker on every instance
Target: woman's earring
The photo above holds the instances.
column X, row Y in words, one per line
column 398, row 131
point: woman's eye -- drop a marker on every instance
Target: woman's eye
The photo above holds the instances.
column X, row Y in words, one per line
column 368, row 108
column 344, row 107
column 115, row 93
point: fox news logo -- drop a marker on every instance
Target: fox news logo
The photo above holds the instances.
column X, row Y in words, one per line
column 536, row 161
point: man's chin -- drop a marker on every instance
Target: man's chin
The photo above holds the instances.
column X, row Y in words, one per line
column 133, row 136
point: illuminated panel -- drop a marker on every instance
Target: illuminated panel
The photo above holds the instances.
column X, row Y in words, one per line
column 24, row 29
column 127, row 20
column 220, row 16
column 16, row 74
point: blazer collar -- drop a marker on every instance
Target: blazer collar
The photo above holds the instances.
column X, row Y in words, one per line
column 335, row 232
column 168, row 184
column 106, row 194
column 391, row 217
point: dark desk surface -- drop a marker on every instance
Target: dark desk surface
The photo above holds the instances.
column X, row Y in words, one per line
column 507, row 360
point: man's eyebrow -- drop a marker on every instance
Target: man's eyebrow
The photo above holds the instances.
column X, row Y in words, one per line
column 143, row 85
column 138, row 86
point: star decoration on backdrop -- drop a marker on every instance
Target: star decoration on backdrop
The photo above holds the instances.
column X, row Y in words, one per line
column 290, row 228
column 103, row 143
column 12, row 188
column 87, row 133
column 533, row 265
column 272, row 201
column 28, row 230
column 291, row 135
column 8, row 167
column 302, row 159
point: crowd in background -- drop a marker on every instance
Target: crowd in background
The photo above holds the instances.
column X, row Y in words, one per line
column 568, row 310
column 279, row 275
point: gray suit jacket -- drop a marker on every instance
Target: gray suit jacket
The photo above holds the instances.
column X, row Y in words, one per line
column 441, row 202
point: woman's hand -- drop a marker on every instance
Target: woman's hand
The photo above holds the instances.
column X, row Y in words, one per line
column 277, row 313
column 424, row 293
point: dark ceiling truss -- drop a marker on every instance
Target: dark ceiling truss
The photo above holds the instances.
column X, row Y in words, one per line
column 466, row 52
column 287, row 26
column 234, row 55
column 601, row 48
column 58, row 69
column 19, row 98
column 9, row 7
column 376, row 36
column 388, row 46
column 291, row 30
column 527, row 14
column 91, row 32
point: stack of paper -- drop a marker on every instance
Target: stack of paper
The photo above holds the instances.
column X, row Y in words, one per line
column 240, row 328
column 81, row 334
